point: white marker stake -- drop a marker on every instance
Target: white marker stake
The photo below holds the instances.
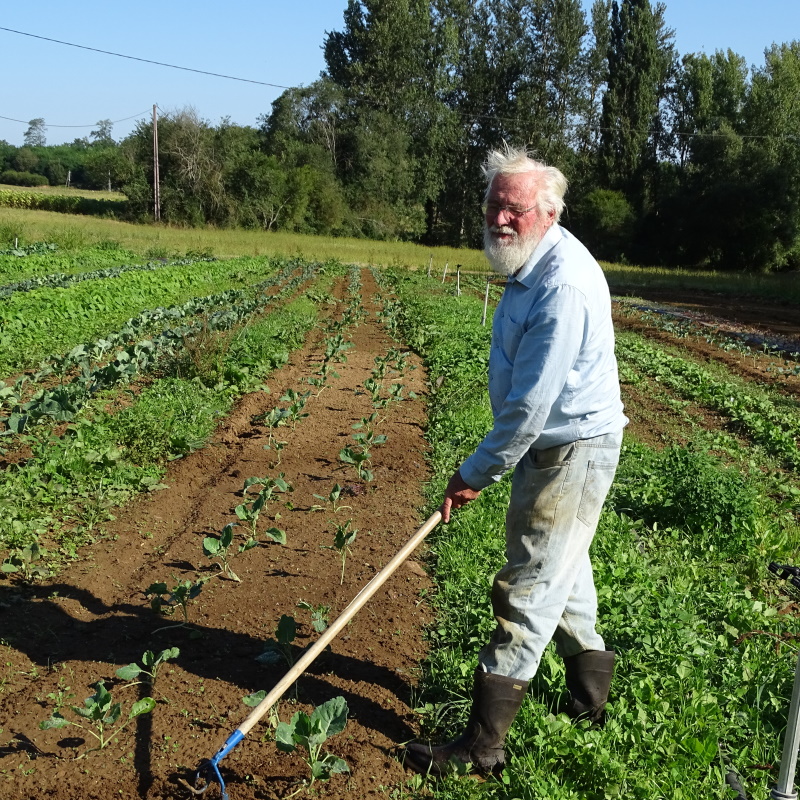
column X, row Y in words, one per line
column 444, row 274
column 485, row 303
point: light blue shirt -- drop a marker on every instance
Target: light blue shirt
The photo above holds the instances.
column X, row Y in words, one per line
column 552, row 370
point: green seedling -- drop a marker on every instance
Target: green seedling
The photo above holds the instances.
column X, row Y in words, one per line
column 366, row 427
column 251, row 512
column 101, row 712
column 281, row 646
column 342, row 539
column 297, row 404
column 179, row 596
column 150, row 664
column 332, row 498
column 309, row 732
column 278, row 448
column 273, row 419
column 319, row 615
column 359, row 460
column 220, row 548
column 23, row 560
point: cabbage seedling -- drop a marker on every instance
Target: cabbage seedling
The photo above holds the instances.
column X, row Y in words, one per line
column 332, row 498
column 179, row 595
column 281, row 645
column 342, row 540
column 151, row 662
column 310, row 732
column 101, row 712
column 358, row 460
column 319, row 615
column 220, row 548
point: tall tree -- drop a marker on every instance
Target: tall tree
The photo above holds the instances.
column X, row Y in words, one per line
column 630, row 103
column 36, row 134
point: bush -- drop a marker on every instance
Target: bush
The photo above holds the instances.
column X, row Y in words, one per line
column 689, row 490
column 604, row 220
column 12, row 177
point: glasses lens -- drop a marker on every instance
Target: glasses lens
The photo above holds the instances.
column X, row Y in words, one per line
column 493, row 209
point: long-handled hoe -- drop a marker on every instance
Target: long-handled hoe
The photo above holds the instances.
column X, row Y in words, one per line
column 208, row 770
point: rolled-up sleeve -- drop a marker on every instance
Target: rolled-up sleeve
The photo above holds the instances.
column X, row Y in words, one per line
column 543, row 356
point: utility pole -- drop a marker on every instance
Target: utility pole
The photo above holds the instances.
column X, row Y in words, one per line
column 156, row 179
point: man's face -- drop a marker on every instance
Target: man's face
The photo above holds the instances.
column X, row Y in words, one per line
column 512, row 231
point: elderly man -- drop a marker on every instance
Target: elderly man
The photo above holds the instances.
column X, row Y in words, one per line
column 558, row 422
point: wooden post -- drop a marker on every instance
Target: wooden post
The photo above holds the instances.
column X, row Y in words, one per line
column 444, row 274
column 69, row 177
column 458, row 280
column 156, row 177
column 485, row 302
column 430, row 264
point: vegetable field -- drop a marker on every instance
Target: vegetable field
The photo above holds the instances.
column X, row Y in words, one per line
column 204, row 461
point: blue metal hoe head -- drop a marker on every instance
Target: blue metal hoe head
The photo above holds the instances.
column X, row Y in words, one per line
column 208, row 771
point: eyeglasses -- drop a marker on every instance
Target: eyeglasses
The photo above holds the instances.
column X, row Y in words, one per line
column 493, row 209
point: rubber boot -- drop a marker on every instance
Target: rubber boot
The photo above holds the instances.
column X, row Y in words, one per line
column 589, row 680
column 496, row 699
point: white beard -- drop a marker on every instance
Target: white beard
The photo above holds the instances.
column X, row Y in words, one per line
column 506, row 258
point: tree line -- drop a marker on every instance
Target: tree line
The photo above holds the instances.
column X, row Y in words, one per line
column 688, row 160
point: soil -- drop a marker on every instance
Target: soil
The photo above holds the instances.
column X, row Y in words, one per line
column 65, row 634
column 714, row 319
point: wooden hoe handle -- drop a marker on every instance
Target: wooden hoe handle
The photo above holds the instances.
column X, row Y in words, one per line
column 333, row 629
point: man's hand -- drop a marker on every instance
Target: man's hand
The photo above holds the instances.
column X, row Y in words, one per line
column 456, row 495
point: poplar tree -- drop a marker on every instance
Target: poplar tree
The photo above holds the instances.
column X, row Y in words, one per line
column 630, row 103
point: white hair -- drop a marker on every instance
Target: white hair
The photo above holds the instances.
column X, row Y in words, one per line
column 551, row 185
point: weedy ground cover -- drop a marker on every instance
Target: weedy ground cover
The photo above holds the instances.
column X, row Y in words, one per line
column 680, row 562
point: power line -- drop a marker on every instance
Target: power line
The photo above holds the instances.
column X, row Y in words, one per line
column 146, row 60
column 92, row 125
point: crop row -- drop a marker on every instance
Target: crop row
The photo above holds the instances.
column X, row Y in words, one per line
column 763, row 421
column 44, row 259
column 51, row 320
column 70, row 481
column 62, row 402
column 61, row 280
column 62, row 204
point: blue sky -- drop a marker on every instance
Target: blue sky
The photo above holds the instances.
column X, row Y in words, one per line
column 265, row 41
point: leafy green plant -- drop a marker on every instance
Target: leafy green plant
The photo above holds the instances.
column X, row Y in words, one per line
column 280, row 648
column 165, row 601
column 359, row 459
column 297, row 404
column 101, row 715
column 23, row 560
column 150, row 664
column 319, row 615
column 251, row 512
column 220, row 548
column 333, row 498
column 308, row 733
column 366, row 436
column 343, row 537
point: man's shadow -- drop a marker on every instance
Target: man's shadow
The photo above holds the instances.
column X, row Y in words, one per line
column 35, row 624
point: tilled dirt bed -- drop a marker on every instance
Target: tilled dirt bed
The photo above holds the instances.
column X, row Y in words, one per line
column 61, row 636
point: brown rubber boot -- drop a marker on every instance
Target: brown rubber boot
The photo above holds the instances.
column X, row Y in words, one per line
column 589, row 680
column 495, row 702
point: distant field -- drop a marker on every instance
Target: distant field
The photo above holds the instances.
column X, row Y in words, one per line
column 160, row 241
column 68, row 192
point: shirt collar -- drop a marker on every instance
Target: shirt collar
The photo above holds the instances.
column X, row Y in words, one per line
column 526, row 273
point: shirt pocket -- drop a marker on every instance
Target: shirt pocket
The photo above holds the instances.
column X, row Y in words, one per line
column 511, row 334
